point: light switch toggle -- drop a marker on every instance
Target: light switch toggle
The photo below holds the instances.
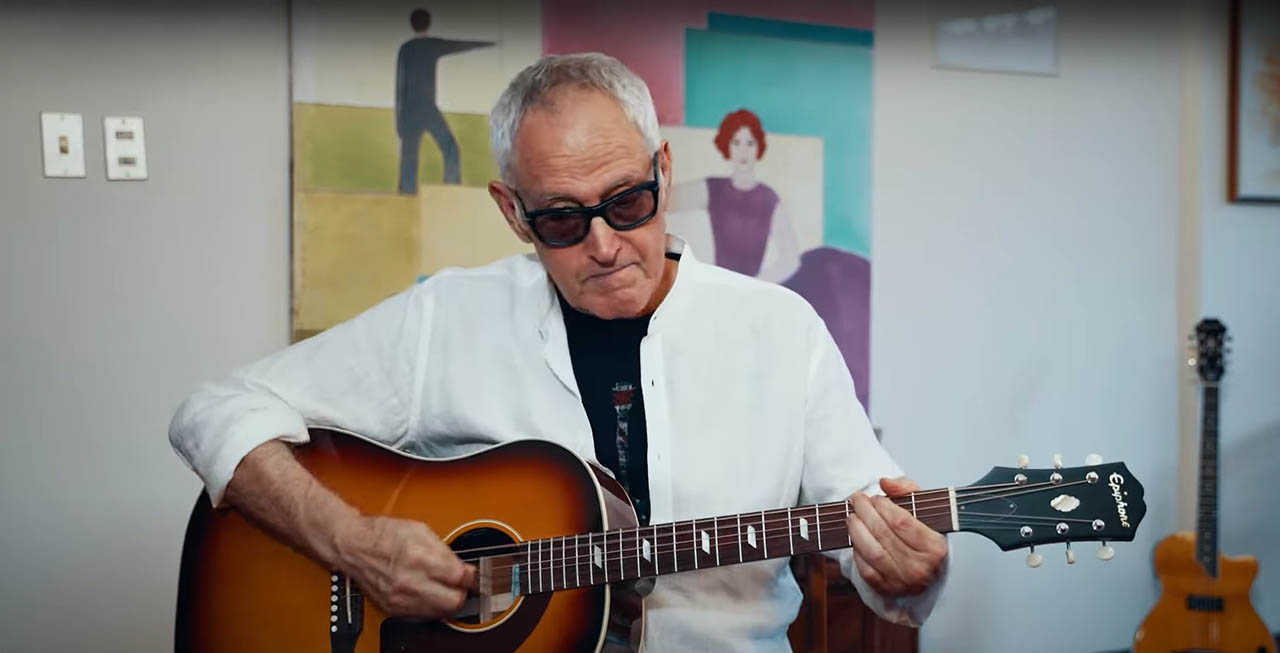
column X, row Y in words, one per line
column 62, row 138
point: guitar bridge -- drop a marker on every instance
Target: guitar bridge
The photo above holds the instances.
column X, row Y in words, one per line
column 346, row 613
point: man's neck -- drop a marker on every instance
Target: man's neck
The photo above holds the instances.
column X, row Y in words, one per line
column 664, row 287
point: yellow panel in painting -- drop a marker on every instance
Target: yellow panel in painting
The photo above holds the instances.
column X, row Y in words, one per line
column 350, row 251
column 461, row 227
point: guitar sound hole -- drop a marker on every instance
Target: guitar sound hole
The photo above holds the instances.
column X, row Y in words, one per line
column 473, row 546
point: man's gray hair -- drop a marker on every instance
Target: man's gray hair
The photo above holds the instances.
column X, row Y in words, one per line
column 592, row 70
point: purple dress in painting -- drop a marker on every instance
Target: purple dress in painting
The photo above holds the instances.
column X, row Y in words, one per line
column 836, row 283
column 740, row 223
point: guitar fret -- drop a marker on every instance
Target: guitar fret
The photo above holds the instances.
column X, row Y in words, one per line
column 715, row 531
column 764, row 534
column 564, row 557
column 591, row 567
column 622, row 552
column 675, row 560
column 656, row 568
column 693, row 537
column 817, row 523
column 846, row 519
column 539, row 565
column 738, row 535
column 605, row 555
column 791, row 543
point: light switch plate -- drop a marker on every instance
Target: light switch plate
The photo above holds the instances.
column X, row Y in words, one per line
column 62, row 136
column 126, row 148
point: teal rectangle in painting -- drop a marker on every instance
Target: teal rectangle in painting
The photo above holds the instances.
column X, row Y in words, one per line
column 796, row 86
column 785, row 29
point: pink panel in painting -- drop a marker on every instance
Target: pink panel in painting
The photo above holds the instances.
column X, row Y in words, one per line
column 649, row 38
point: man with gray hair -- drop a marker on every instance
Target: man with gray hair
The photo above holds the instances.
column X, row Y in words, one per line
column 704, row 391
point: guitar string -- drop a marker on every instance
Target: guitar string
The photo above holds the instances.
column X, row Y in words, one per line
column 780, row 515
column 624, row 563
column 629, row 537
column 900, row 501
column 632, row 551
column 684, row 545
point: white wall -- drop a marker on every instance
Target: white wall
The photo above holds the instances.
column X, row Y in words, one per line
column 1240, row 284
column 1025, row 299
column 119, row 297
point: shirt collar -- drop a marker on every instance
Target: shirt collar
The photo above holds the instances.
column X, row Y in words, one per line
column 552, row 322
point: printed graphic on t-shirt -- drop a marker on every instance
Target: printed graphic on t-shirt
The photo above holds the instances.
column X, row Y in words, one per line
column 623, row 393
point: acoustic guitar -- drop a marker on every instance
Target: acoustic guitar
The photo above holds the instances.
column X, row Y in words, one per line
column 1204, row 601
column 561, row 563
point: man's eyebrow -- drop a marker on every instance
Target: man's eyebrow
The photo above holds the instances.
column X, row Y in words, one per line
column 622, row 183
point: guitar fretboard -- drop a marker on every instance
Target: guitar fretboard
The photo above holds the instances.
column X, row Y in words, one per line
column 1207, row 505
column 572, row 561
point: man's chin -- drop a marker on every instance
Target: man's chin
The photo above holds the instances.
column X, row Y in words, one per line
column 623, row 304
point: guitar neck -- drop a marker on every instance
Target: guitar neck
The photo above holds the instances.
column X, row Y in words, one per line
column 1207, row 508
column 572, row 561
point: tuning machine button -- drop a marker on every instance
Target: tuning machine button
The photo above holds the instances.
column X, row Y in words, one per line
column 1106, row 552
column 1093, row 460
column 1071, row 556
column 1034, row 559
column 1057, row 461
column 1023, row 461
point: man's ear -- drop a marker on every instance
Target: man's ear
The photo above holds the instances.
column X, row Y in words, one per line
column 505, row 198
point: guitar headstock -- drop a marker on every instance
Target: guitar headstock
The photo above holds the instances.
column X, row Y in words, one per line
column 1018, row 507
column 1210, row 350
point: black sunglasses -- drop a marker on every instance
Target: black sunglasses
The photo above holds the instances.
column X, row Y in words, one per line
column 566, row 226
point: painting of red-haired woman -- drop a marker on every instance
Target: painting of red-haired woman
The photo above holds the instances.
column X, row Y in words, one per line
column 750, row 233
column 749, row 228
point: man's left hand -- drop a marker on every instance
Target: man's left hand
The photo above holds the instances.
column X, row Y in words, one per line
column 894, row 552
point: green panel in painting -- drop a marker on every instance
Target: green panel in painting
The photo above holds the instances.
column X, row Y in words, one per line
column 356, row 149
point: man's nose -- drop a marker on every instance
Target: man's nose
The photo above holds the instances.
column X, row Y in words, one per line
column 602, row 242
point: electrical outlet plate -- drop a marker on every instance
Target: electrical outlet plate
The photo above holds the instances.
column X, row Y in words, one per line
column 125, row 147
column 62, row 137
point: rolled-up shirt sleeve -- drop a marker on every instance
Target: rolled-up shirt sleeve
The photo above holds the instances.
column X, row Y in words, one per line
column 842, row 456
column 361, row 375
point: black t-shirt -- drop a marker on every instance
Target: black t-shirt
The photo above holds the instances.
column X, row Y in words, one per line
column 606, row 363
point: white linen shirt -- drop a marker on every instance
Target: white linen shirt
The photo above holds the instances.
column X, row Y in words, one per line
column 748, row 403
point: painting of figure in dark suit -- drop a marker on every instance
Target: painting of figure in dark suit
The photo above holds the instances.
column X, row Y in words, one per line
column 415, row 106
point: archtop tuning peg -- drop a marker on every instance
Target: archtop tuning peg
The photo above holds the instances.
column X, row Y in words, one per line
column 1093, row 460
column 1057, row 461
column 1023, row 461
column 1071, row 556
column 1105, row 552
column 1034, row 559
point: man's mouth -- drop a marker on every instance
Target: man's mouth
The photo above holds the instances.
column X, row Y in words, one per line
column 601, row 276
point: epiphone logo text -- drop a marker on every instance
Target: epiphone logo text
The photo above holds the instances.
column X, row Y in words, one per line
column 1116, row 481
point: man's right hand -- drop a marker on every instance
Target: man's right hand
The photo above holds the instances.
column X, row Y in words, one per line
column 403, row 567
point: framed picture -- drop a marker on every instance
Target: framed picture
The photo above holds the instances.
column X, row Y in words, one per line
column 1253, row 140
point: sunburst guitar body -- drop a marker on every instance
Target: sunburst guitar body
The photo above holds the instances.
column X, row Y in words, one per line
column 562, row 565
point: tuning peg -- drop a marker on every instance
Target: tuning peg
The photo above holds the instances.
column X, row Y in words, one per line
column 1106, row 552
column 1093, row 460
column 1071, row 557
column 1033, row 558
column 1191, row 362
column 1057, row 461
column 1023, row 461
